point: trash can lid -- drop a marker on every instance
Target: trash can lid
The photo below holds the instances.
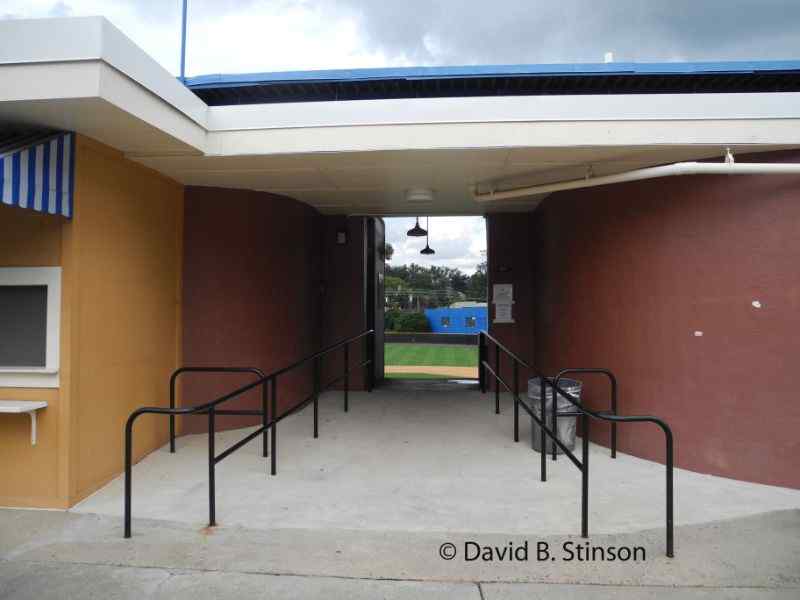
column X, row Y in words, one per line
column 569, row 386
column 564, row 383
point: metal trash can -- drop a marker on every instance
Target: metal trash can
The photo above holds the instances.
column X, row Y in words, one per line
column 566, row 425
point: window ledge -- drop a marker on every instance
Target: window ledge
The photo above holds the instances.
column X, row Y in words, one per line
column 19, row 377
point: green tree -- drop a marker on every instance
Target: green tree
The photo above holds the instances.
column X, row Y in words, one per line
column 390, row 318
column 459, row 281
column 476, row 288
column 412, row 321
column 416, row 286
column 392, row 282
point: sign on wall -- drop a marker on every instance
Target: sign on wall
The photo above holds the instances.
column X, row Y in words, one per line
column 503, row 300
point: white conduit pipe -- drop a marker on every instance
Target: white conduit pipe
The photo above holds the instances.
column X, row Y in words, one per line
column 684, row 168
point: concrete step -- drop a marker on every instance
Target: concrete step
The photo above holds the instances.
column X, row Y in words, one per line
column 762, row 551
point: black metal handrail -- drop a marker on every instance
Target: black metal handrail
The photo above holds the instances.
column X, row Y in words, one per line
column 584, row 413
column 178, row 372
column 612, row 379
column 270, row 418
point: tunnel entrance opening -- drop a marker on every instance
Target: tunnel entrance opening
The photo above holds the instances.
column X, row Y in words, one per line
column 434, row 301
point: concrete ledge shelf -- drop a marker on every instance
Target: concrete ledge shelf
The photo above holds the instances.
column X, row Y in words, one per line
column 24, row 406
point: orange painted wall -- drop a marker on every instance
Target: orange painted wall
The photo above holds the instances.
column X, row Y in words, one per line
column 120, row 319
column 123, row 273
column 28, row 239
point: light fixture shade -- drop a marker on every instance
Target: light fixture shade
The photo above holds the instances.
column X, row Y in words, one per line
column 427, row 249
column 417, row 231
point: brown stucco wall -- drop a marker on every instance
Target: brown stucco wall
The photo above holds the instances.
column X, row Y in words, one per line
column 628, row 273
column 344, row 287
column 120, row 257
column 252, row 294
column 508, row 261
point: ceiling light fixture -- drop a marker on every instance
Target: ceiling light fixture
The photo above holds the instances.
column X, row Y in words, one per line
column 419, row 196
column 427, row 249
column 416, row 231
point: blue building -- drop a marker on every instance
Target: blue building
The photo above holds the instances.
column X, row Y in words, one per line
column 465, row 319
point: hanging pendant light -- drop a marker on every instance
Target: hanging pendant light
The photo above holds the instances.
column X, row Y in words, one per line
column 416, row 231
column 427, row 249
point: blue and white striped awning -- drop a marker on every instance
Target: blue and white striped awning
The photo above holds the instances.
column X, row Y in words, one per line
column 40, row 175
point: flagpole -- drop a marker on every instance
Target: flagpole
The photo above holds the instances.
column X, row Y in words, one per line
column 183, row 44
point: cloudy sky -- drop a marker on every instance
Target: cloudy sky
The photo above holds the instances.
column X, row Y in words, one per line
column 459, row 242
column 229, row 36
column 263, row 35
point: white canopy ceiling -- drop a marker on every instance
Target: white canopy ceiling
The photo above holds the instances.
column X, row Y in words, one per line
column 360, row 157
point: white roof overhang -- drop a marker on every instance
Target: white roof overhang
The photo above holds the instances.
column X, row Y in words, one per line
column 360, row 156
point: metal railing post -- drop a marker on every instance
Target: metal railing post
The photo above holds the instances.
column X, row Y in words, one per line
column 264, row 420
column 212, row 519
column 273, row 415
column 172, row 417
column 555, row 416
column 481, row 360
column 172, row 385
column 614, row 411
column 516, row 401
column 613, row 382
column 268, row 412
column 585, row 477
column 346, row 377
column 497, row 382
column 128, row 472
column 271, row 423
column 586, row 414
column 316, row 398
column 670, row 523
column 543, row 420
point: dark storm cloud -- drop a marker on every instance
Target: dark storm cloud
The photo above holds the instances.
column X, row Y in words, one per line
column 529, row 31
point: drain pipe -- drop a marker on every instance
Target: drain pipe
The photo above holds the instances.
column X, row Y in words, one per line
column 729, row 167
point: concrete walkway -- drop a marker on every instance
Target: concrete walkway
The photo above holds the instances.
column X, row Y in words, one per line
column 407, row 459
column 364, row 512
column 62, row 555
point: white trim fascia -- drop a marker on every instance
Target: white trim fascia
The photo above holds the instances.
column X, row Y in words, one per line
column 43, row 85
column 505, row 109
column 37, row 82
column 768, row 133
column 119, row 90
column 81, row 39
column 47, row 376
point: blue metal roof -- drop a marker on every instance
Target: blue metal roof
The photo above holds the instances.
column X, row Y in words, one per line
column 347, row 84
column 411, row 73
